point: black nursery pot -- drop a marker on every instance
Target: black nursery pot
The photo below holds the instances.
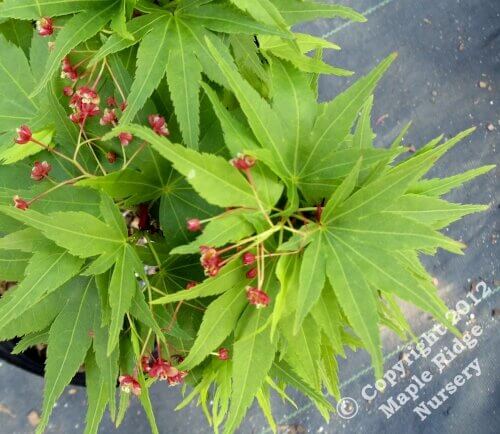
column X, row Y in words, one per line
column 31, row 360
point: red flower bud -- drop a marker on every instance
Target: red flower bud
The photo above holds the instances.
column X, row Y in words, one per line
column 129, row 384
column 111, row 156
column 193, row 225
column 24, row 135
column 123, row 106
column 143, row 214
column 146, row 363
column 68, row 71
column 125, row 138
column 257, row 297
column 40, row 170
column 162, row 370
column 20, row 203
column 248, row 258
column 109, row 117
column 223, row 354
column 45, row 26
column 111, row 101
column 68, row 91
column 252, row 273
column 191, row 284
column 158, row 125
column 210, row 261
column 243, row 162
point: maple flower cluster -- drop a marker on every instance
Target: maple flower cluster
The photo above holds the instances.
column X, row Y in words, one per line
column 45, row 26
column 85, row 103
column 211, row 259
column 163, row 370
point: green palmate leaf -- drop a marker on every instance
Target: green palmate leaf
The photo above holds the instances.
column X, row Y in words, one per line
column 69, row 340
column 431, row 211
column 46, row 271
column 141, row 311
column 77, row 30
column 296, row 11
column 264, row 123
column 227, row 228
column 390, row 231
column 31, row 340
column 138, row 27
column 151, row 67
column 119, row 21
column 305, row 63
column 305, row 42
column 108, row 365
column 342, row 192
column 227, row 19
column 35, row 9
column 246, row 56
column 303, row 350
column 329, row 370
column 18, row 32
column 284, row 372
column 295, row 103
column 39, row 316
column 440, row 186
column 218, row 323
column 252, row 359
column 381, row 193
column 80, row 233
column 338, row 116
column 122, row 288
column 67, row 198
column 363, row 137
column 328, row 316
column 262, row 10
column 237, row 136
column 264, row 400
column 396, row 279
column 211, row 176
column 112, row 215
column 288, row 274
column 12, row 265
column 357, row 300
column 179, row 203
column 16, row 82
column 97, row 396
column 230, row 275
column 311, row 281
column 184, row 77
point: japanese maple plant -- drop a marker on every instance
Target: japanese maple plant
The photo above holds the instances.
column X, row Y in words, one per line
column 176, row 207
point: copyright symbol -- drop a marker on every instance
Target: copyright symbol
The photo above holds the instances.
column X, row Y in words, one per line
column 347, row 408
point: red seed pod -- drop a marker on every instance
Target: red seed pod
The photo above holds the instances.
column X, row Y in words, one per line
column 129, row 384
column 193, row 225
column 252, row 273
column 24, row 135
column 243, row 162
column 125, row 138
column 257, row 297
column 191, row 284
column 68, row 90
column 20, row 203
column 111, row 156
column 158, row 125
column 40, row 170
column 45, row 26
column 223, row 354
column 248, row 258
